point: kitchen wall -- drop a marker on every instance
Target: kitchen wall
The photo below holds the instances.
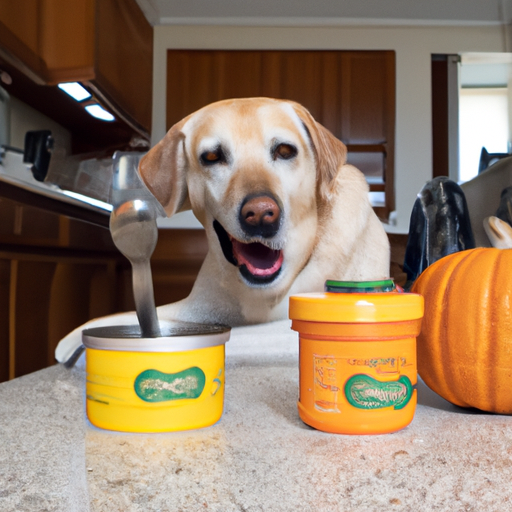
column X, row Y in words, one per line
column 413, row 46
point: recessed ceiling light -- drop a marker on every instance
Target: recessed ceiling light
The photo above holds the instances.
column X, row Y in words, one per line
column 100, row 113
column 75, row 90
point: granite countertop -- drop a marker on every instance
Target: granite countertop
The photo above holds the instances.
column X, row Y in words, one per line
column 259, row 457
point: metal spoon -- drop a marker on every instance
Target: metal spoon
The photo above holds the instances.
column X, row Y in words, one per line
column 133, row 228
column 134, row 231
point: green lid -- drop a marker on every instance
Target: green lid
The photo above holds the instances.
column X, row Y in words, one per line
column 383, row 285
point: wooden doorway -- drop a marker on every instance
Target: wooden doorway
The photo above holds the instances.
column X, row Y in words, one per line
column 445, row 116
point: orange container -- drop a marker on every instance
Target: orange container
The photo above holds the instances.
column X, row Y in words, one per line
column 357, row 357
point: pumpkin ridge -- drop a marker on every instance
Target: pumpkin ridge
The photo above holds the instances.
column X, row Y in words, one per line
column 447, row 351
column 455, row 320
column 443, row 374
column 431, row 356
column 493, row 344
column 477, row 328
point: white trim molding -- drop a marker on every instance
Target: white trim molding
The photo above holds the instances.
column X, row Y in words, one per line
column 302, row 21
column 150, row 10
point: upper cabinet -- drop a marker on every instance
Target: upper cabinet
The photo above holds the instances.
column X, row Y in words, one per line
column 124, row 59
column 51, row 41
column 106, row 45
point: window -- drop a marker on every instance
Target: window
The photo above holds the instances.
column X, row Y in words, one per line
column 483, row 122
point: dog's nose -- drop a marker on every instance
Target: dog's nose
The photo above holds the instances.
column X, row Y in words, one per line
column 260, row 216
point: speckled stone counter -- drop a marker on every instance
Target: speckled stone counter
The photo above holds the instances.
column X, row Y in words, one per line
column 259, row 457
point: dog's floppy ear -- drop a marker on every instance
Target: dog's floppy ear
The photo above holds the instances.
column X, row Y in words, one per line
column 330, row 152
column 163, row 170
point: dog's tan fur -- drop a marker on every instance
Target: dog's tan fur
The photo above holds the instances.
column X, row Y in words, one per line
column 329, row 230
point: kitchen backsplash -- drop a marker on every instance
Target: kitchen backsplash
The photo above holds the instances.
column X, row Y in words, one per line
column 24, row 118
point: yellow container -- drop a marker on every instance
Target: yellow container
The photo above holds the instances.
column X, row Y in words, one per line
column 357, row 359
column 170, row 383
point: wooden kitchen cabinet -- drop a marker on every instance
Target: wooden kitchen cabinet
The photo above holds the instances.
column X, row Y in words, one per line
column 55, row 274
column 50, row 40
column 124, row 60
column 107, row 45
column 352, row 93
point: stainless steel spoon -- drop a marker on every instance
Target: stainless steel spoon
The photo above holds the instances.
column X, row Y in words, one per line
column 134, row 231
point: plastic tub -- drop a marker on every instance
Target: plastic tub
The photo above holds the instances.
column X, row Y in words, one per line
column 357, row 357
column 174, row 382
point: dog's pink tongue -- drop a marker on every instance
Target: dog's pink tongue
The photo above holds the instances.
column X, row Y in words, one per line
column 259, row 259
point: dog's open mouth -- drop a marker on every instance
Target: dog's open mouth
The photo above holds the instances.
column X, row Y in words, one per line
column 258, row 263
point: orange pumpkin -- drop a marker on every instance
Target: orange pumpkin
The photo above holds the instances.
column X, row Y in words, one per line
column 465, row 344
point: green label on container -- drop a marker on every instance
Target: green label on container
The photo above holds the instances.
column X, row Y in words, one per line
column 156, row 386
column 365, row 392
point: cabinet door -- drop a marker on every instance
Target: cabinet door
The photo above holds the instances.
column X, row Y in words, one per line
column 352, row 93
column 51, row 41
column 20, row 34
column 30, row 285
column 123, row 61
column 368, row 119
column 367, row 97
column 5, row 292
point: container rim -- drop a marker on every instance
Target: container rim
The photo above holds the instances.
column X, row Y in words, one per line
column 176, row 337
column 356, row 307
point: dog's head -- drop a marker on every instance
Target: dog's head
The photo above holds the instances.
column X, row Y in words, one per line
column 255, row 172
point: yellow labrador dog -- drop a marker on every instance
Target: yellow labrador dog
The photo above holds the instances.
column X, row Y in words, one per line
column 282, row 210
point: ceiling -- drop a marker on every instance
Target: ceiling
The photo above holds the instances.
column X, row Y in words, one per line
column 477, row 70
column 327, row 12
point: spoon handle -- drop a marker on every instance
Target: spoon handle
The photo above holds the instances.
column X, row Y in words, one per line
column 144, row 299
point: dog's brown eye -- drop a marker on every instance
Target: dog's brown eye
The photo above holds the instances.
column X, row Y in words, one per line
column 212, row 157
column 285, row 151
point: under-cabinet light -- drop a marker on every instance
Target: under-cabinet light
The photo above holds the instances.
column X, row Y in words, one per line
column 75, row 90
column 99, row 112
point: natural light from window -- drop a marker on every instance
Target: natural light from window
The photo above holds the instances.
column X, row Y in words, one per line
column 483, row 122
